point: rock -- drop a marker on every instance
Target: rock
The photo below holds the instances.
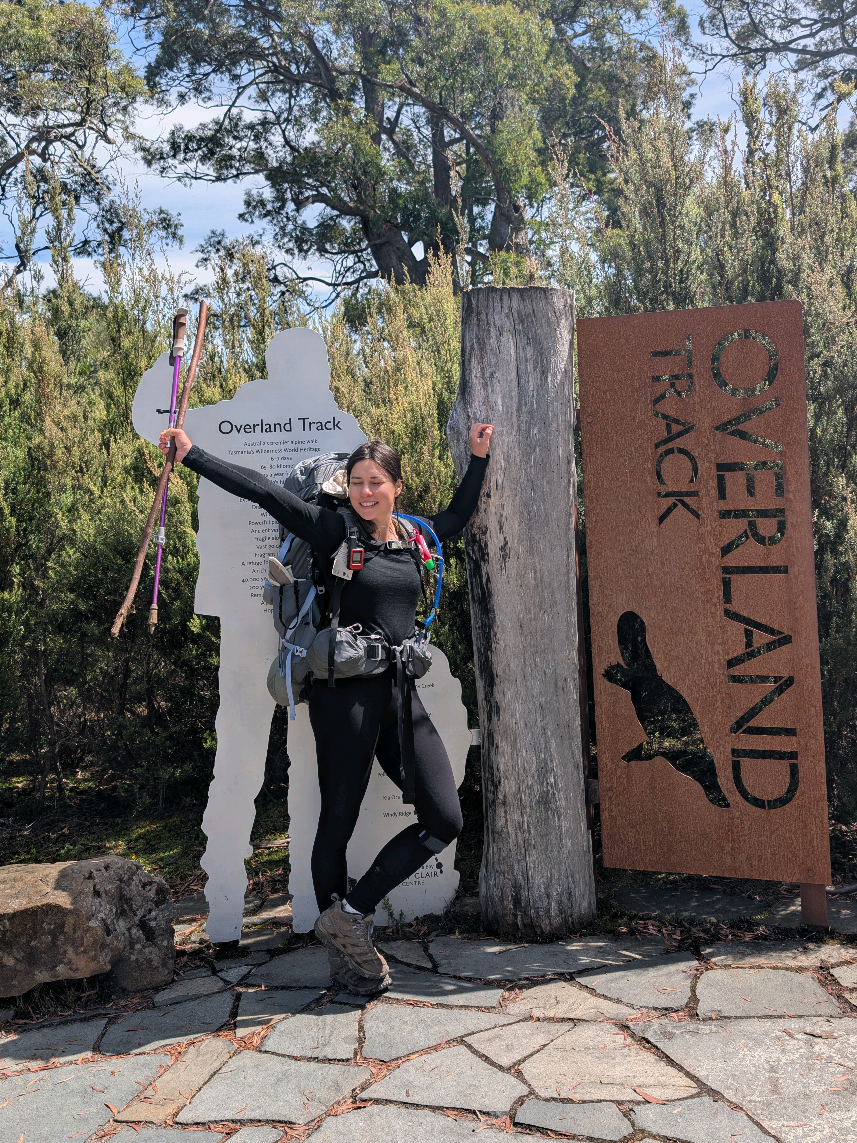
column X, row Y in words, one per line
column 305, row 968
column 76, row 919
column 491, row 960
column 60, row 1043
column 156, row 1027
column 703, row 904
column 452, row 1077
column 402, row 1125
column 561, row 1001
column 603, row 1120
column 847, row 975
column 166, row 1135
column 189, row 989
column 6, row 1014
column 662, row 982
column 330, row 1034
column 698, row 1121
column 343, row 996
column 787, row 1074
column 233, row 975
column 72, row 1100
column 408, row 952
column 430, row 989
column 198, row 1064
column 266, row 1006
column 276, row 910
column 250, row 1135
column 256, row 940
column 183, row 933
column 778, row 954
column 598, row 1062
column 762, row 992
column 193, row 906
column 394, row 1030
column 508, row 1046
column 256, row 1085
column 245, row 960
column 841, row 915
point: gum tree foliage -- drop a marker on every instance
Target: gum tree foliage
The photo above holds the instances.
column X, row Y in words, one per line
column 381, row 130
column 702, row 222
column 66, row 101
column 817, row 39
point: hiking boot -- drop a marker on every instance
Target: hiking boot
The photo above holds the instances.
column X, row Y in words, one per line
column 359, row 984
column 337, row 963
column 350, row 935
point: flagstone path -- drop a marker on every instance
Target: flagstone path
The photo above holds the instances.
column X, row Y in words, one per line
column 593, row 1039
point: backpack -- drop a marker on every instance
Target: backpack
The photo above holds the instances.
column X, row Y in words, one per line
column 305, row 597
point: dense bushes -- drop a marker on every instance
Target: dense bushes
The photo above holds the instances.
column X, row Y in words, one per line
column 132, row 719
column 692, row 219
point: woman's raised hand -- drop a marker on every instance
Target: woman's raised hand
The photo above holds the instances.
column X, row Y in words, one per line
column 480, row 439
column 183, row 445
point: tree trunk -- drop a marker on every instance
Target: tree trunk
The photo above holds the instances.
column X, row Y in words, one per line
column 517, row 372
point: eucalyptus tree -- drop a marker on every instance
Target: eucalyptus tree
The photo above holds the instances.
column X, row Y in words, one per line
column 815, row 38
column 67, row 96
column 379, row 131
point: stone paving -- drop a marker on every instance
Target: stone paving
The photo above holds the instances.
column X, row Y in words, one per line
column 712, row 905
column 593, row 1039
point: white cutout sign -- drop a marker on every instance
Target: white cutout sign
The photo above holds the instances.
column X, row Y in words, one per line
column 270, row 425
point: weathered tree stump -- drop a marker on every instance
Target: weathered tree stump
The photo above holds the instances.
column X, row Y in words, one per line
column 517, row 372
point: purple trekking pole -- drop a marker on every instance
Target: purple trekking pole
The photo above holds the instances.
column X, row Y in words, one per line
column 176, row 355
column 157, row 501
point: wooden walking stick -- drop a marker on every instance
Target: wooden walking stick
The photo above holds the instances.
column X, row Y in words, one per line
column 161, row 490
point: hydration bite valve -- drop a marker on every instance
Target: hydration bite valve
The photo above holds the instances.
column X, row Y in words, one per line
column 425, row 554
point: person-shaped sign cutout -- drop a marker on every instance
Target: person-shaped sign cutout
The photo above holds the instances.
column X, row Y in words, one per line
column 271, row 424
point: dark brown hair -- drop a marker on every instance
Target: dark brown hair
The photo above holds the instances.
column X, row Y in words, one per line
column 386, row 458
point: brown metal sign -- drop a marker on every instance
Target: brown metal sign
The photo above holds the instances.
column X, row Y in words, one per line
column 702, row 592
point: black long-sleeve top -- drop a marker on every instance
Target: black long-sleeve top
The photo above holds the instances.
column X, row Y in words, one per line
column 383, row 596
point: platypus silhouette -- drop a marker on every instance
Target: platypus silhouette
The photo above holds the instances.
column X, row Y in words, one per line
column 665, row 715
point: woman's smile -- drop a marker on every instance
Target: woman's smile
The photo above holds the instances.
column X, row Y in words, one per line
column 372, row 493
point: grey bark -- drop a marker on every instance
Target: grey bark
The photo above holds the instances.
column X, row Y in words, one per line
column 517, row 373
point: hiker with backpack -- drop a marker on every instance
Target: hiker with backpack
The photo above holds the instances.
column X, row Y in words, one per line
column 364, row 652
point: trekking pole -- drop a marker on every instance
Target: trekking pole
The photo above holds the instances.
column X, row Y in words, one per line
column 160, row 492
column 176, row 355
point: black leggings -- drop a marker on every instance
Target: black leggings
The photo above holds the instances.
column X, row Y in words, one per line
column 354, row 722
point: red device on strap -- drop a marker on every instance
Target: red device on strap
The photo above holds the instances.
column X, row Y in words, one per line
column 355, row 559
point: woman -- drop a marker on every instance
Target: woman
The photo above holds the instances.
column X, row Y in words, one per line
column 358, row 719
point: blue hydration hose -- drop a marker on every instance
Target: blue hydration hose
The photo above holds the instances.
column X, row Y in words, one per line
column 422, row 524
